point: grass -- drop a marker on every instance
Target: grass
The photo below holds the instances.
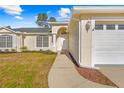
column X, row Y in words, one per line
column 25, row 70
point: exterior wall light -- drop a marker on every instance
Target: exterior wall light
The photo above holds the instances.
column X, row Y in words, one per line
column 88, row 25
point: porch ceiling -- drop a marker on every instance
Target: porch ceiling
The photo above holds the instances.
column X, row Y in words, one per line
column 98, row 9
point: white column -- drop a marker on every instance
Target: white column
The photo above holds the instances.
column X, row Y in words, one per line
column 91, row 45
column 116, row 26
column 54, row 40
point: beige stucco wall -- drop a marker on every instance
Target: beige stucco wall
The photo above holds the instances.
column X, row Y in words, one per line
column 19, row 42
column 74, row 40
column 30, row 43
column 86, row 43
column 80, row 42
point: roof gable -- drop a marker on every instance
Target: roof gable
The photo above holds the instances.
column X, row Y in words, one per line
column 6, row 30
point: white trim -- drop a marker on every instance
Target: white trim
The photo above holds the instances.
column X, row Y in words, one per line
column 104, row 27
column 79, row 42
column 91, row 67
column 9, row 29
column 116, row 27
column 91, row 50
column 58, row 23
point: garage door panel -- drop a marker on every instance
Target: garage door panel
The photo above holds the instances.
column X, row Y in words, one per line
column 108, row 47
column 108, row 59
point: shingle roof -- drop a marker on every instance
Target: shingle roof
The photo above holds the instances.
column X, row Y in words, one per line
column 33, row 30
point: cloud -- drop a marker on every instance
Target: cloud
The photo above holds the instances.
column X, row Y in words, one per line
column 63, row 19
column 35, row 17
column 12, row 9
column 48, row 12
column 19, row 17
column 64, row 12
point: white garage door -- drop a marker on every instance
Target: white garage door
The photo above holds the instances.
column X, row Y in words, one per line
column 108, row 47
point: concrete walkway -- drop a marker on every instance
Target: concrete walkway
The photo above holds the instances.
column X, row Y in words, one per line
column 64, row 75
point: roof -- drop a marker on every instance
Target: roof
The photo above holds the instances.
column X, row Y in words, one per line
column 98, row 9
column 9, row 29
column 33, row 30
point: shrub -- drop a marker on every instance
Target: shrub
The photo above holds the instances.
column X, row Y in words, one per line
column 6, row 50
column 41, row 50
column 13, row 50
column 1, row 51
column 47, row 51
column 24, row 49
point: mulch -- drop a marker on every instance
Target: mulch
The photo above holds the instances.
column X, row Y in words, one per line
column 95, row 75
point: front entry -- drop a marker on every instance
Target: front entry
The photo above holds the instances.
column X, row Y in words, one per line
column 62, row 43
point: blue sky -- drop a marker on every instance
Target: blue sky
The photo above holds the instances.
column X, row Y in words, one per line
column 25, row 15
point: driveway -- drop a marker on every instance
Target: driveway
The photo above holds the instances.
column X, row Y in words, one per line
column 114, row 73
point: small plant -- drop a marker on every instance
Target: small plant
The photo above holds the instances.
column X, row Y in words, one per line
column 47, row 51
column 24, row 49
column 41, row 50
column 6, row 50
column 1, row 51
column 13, row 50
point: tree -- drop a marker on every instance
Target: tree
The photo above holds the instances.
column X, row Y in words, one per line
column 41, row 19
column 52, row 19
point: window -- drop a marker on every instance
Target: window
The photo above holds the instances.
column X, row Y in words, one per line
column 42, row 41
column 5, row 41
column 110, row 27
column 121, row 27
column 99, row 27
column 39, row 41
column 45, row 41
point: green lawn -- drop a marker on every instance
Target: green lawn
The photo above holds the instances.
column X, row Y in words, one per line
column 25, row 70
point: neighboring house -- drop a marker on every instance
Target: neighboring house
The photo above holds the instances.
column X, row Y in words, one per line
column 96, row 35
column 35, row 39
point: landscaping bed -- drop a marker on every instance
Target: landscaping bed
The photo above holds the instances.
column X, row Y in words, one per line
column 95, row 76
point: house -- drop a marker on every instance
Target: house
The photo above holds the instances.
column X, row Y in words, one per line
column 96, row 35
column 35, row 39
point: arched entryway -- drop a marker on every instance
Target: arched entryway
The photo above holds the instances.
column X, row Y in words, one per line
column 62, row 40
